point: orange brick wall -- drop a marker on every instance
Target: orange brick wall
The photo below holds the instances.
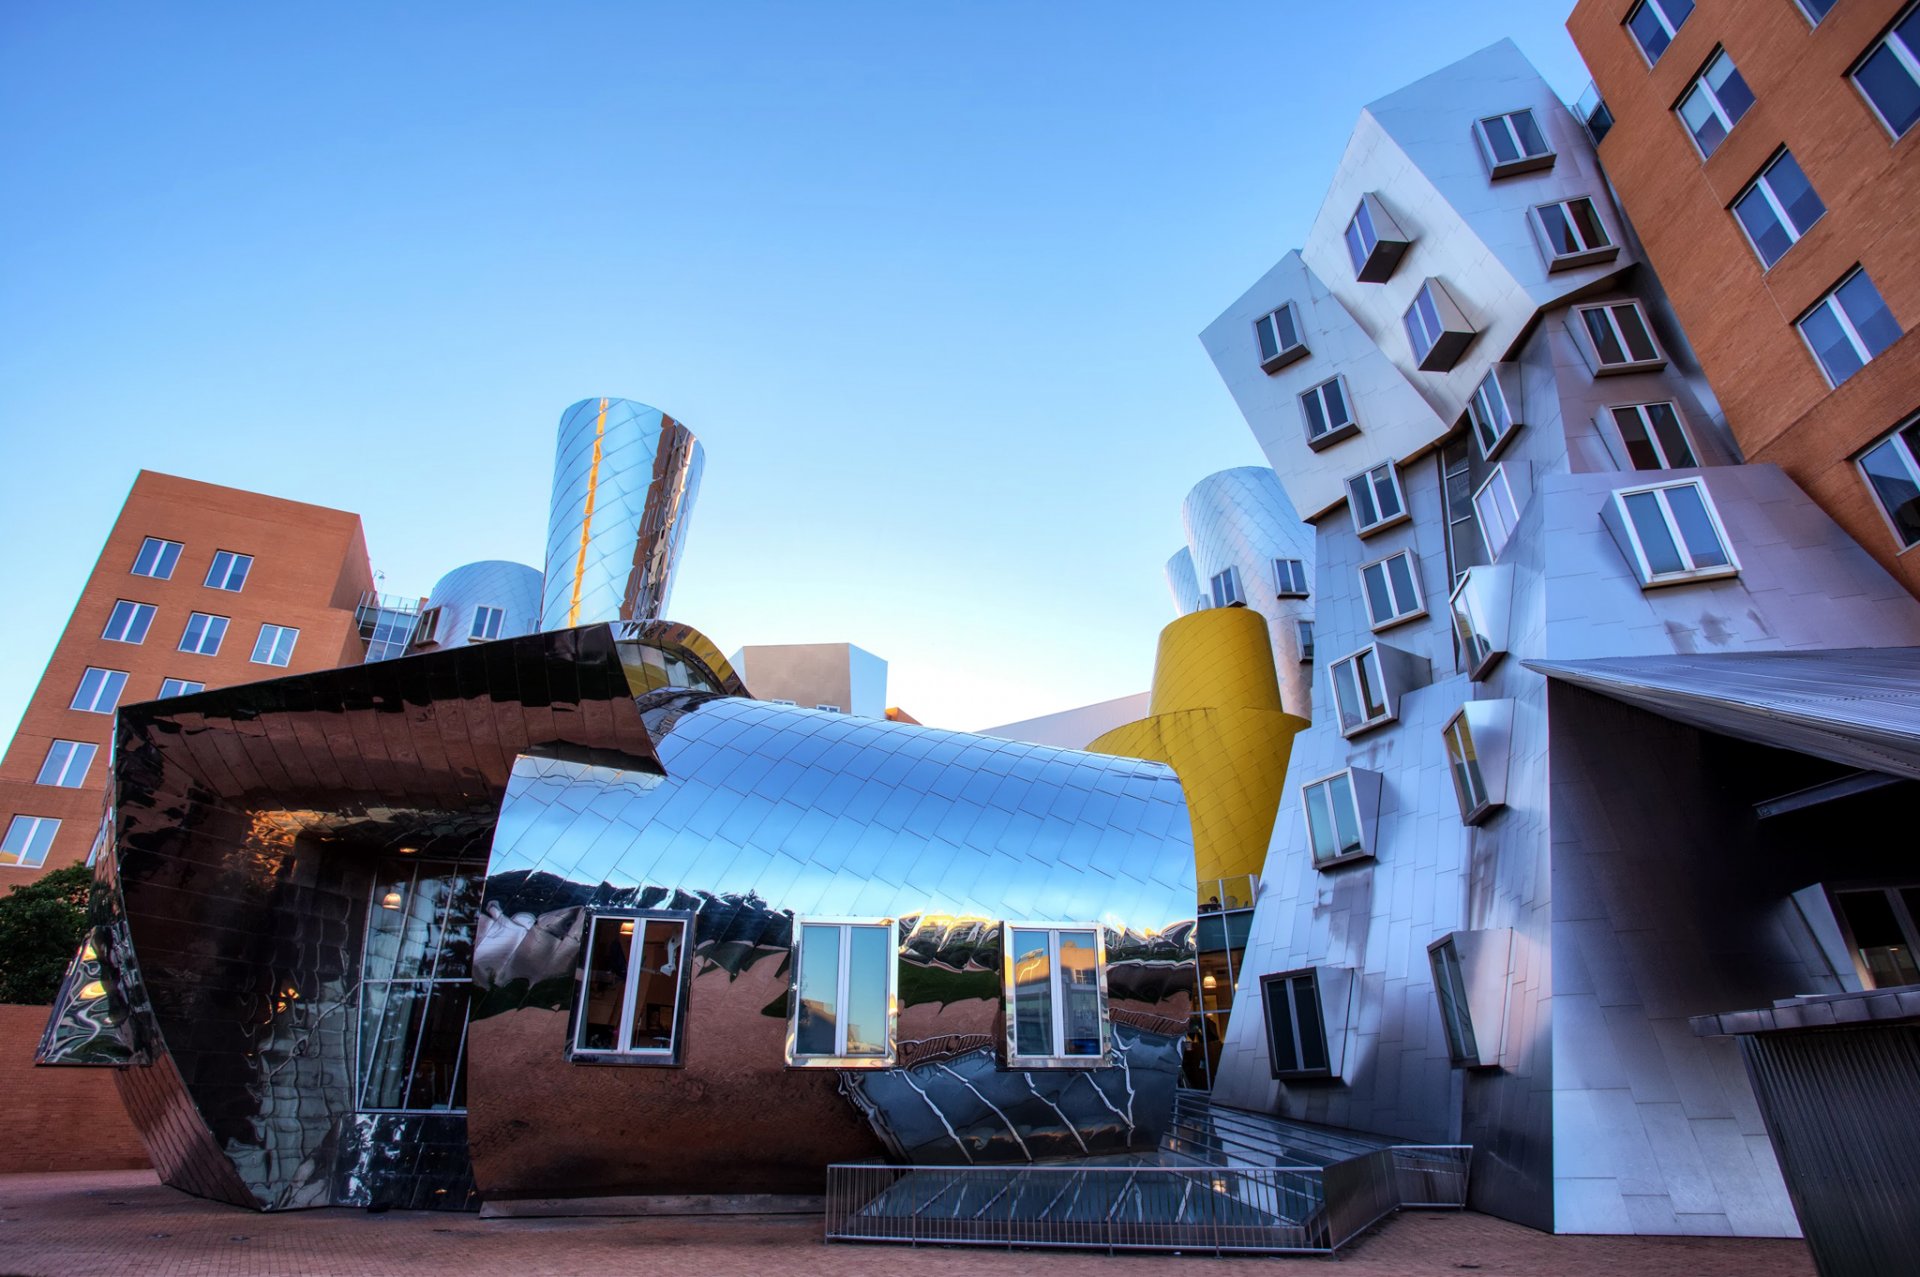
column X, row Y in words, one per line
column 58, row 1119
column 1740, row 317
column 309, row 570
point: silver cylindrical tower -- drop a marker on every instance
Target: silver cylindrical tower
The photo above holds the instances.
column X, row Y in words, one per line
column 475, row 602
column 624, row 481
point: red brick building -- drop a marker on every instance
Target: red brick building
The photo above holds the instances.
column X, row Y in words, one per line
column 1765, row 151
column 197, row 586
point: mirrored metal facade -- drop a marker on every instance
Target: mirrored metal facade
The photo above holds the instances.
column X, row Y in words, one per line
column 478, row 602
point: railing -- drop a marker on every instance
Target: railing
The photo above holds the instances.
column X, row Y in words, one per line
column 1217, row 895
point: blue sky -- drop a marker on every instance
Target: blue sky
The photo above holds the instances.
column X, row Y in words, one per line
column 925, row 279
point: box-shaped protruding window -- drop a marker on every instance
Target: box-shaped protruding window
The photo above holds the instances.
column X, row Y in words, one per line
column 1437, row 329
column 1327, row 413
column 1670, row 533
column 1615, row 338
column 1512, row 143
column 1571, row 233
column 1225, row 588
column 1368, row 685
column 1471, row 972
column 1482, row 613
column 1277, row 336
column 1494, row 410
column 1055, row 978
column 1307, row 1013
column 845, row 1001
column 1342, row 812
column 1290, row 578
column 1374, row 499
column 1479, row 742
column 1375, row 242
column 633, row 989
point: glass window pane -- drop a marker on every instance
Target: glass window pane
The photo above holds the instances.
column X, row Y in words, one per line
column 1499, row 139
column 1316, row 415
column 1450, row 985
column 1586, row 221
column 1656, row 543
column 1372, row 694
column 1604, row 340
column 1890, row 87
column 1870, row 316
column 442, row 1027
column 1531, row 140
column 1696, row 527
column 1672, row 439
column 1346, row 692
column 1649, row 30
column 1770, row 238
column 1283, row 327
column 1336, row 401
column 1346, row 825
column 1558, row 229
column 1728, row 86
column 658, row 996
column 1216, row 982
column 1032, row 994
column 389, row 1014
column 1702, row 120
column 1634, row 330
column 1884, row 949
column 1263, row 330
column 1318, row 801
column 1080, row 976
column 869, row 964
column 1400, row 577
column 606, row 981
column 1790, row 186
column 1831, row 345
column 816, row 1030
column 1313, row 1035
column 1280, row 1041
column 1379, row 600
column 1360, row 493
column 1895, row 483
column 1641, row 453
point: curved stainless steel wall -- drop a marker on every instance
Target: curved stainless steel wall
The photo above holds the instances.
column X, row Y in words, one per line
column 625, row 477
column 512, row 587
column 1182, row 582
column 1241, row 519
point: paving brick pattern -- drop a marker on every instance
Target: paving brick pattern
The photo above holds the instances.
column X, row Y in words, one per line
column 125, row 1222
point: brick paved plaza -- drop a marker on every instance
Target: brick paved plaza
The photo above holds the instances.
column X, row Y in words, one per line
column 125, row 1222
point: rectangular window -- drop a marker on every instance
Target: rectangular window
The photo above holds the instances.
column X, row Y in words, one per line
column 1328, row 413
column 1653, row 436
column 275, row 645
column 1892, row 470
column 1675, row 533
column 1392, row 590
column 28, row 840
column 1512, row 143
column 1303, row 630
column 1882, row 926
column 99, row 690
column 1296, row 1032
column 1481, row 635
column 843, row 994
column 1290, row 578
column 1490, row 415
column 1278, row 334
column 1374, row 499
column 156, row 559
column 831, row 709
column 179, row 687
column 1654, row 22
column 416, row 987
column 1778, row 208
column 487, row 622
column 1226, row 588
column 66, row 764
column 1469, row 785
column 1360, row 692
column 1848, row 327
column 1450, row 986
column 129, row 622
column 203, row 634
column 1361, row 238
column 229, row 571
column 1464, row 544
column 1715, row 103
column 1333, row 820
column 1056, row 989
column 1621, row 338
column 1437, row 333
column 1817, row 9
column 1572, row 234
column 1889, row 76
column 633, row 989
column 1498, row 514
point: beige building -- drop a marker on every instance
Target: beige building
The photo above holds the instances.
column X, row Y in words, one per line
column 837, row 677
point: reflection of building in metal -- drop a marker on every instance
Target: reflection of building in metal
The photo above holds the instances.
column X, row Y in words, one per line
column 837, row 677
column 625, row 477
column 1214, row 716
column 1532, row 829
column 1247, row 548
column 476, row 602
column 593, row 843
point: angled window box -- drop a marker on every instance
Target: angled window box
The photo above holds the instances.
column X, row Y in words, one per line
column 1471, row 972
column 1342, row 812
column 1482, row 615
column 1307, row 1014
column 1437, row 330
column 1375, row 242
column 1368, row 685
column 1512, row 144
column 1277, row 336
column 1479, row 741
column 1670, row 533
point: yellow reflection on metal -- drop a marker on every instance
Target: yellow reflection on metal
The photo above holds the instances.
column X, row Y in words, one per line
column 1214, row 716
column 586, row 515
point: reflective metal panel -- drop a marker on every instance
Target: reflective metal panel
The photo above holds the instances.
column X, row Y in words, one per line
column 457, row 597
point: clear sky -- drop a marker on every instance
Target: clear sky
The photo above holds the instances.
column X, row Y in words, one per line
column 925, row 279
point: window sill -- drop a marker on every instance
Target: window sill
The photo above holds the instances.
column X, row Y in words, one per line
column 1403, row 517
column 1380, row 627
column 850, row 1064
column 1525, row 164
column 1688, row 578
column 1616, row 370
column 1291, row 594
column 1446, row 351
column 1361, row 729
column 1351, row 858
column 1382, row 261
column 1291, row 355
column 1500, row 444
column 1326, row 439
column 1021, row 1063
column 626, row 1059
column 1573, row 261
column 1481, row 814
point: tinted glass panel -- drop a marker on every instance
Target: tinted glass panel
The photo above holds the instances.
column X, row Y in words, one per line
column 1269, row 345
column 1451, row 987
column 1500, row 139
column 869, row 963
column 1320, row 816
column 1888, row 80
column 1400, row 575
column 1673, row 440
column 819, row 990
column 1313, row 1036
column 1532, row 142
column 1379, row 601
column 1336, row 402
column 1604, row 340
column 1696, row 527
column 1079, row 973
column 1885, row 950
column 606, row 979
column 1633, row 330
column 1032, row 993
column 1346, row 826
column 1894, row 479
column 1870, row 316
column 1795, row 193
column 1831, row 345
column 659, row 979
column 1656, row 543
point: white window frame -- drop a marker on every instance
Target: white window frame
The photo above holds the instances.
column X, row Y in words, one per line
column 1303, row 635
column 160, row 556
column 1285, row 353
column 139, row 617
column 187, row 687
column 1369, row 477
column 1366, row 672
column 1369, row 235
column 1909, row 60
column 674, row 1052
column 270, row 637
column 1334, row 432
column 1404, row 609
column 828, row 709
column 1325, row 786
column 19, row 847
column 1485, row 507
column 1699, row 84
column 1413, row 313
column 1586, row 254
column 839, row 1059
column 478, row 631
column 1903, row 450
column 201, row 649
column 66, row 775
column 1232, row 594
column 233, row 559
column 1482, row 638
column 1457, row 739
column 1523, row 162
column 1666, row 24
column 1607, row 308
column 1480, row 415
column 1290, row 578
column 1813, row 19
column 107, row 680
column 1057, row 1031
column 1295, row 1017
column 1691, row 572
column 1830, row 300
column 1764, row 189
column 1639, row 410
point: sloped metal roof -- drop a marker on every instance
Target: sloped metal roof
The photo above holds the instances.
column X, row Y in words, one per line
column 1859, row 706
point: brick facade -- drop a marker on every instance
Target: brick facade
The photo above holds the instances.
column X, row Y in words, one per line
column 58, row 1119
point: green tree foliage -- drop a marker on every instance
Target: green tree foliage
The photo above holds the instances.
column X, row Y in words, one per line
column 40, row 927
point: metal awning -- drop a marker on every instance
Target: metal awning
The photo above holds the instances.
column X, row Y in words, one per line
column 1858, row 706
